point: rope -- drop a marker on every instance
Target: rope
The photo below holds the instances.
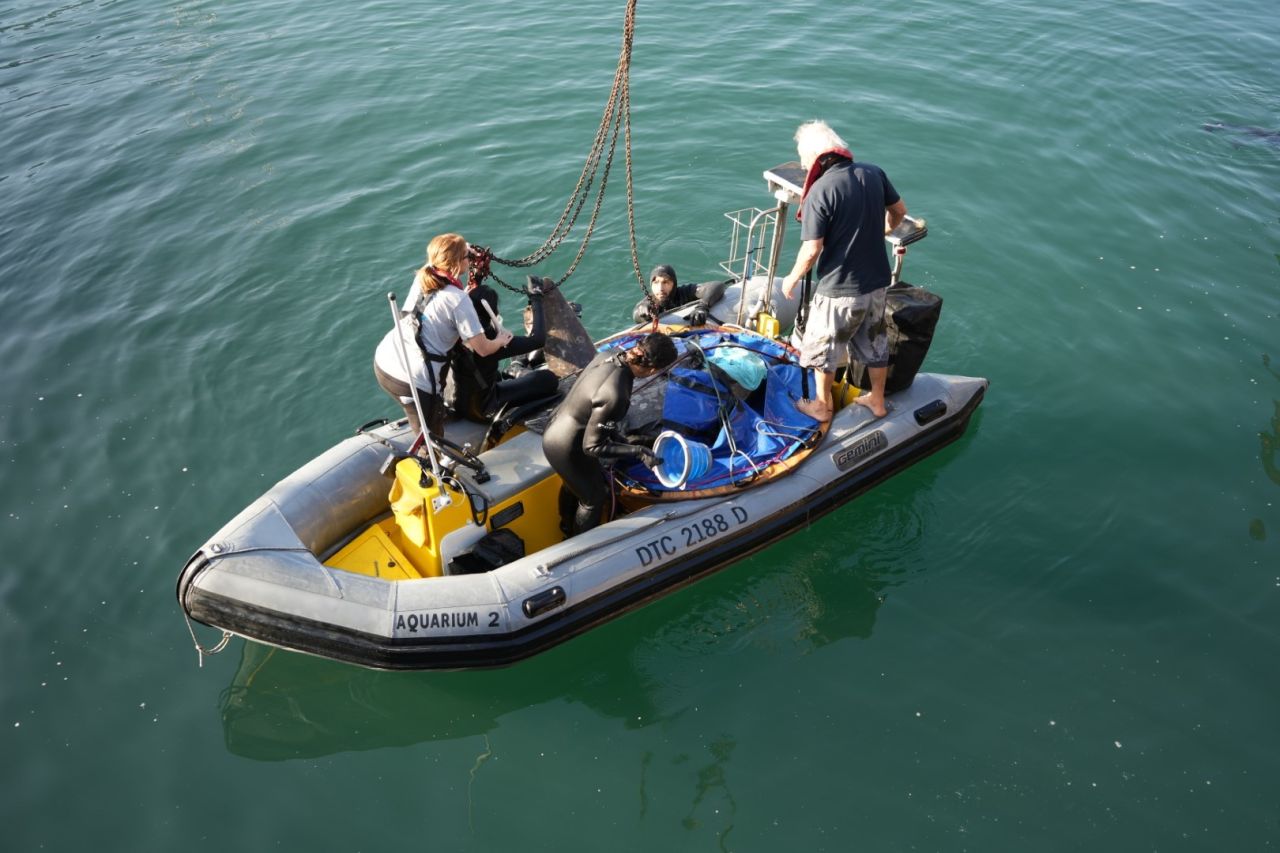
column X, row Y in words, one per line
column 201, row 651
column 615, row 121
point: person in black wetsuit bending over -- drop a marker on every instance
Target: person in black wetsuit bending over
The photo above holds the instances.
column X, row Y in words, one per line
column 585, row 429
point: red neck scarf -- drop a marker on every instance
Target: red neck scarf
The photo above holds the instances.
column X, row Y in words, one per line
column 818, row 168
column 439, row 273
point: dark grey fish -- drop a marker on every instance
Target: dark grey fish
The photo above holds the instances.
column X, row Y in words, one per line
column 569, row 348
column 1245, row 133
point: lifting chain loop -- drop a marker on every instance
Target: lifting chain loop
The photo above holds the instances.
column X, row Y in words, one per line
column 616, row 120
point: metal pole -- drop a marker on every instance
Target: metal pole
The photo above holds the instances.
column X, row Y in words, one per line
column 413, row 391
column 779, row 229
column 746, row 271
column 746, row 267
column 899, row 257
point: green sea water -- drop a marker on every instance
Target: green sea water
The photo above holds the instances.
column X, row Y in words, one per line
column 1059, row 633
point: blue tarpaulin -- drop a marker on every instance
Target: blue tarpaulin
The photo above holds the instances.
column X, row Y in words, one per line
column 747, row 429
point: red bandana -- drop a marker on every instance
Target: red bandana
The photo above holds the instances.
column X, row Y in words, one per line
column 436, row 271
column 820, row 165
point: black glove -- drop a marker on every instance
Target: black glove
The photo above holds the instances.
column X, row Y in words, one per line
column 649, row 458
column 698, row 316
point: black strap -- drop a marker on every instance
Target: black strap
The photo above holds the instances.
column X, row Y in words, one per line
column 801, row 320
column 436, row 390
column 437, row 386
column 802, row 310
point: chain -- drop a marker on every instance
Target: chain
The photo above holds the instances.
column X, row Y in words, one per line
column 595, row 209
column 631, row 202
column 616, row 120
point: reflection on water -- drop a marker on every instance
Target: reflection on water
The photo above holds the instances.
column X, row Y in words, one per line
column 282, row 705
column 1269, row 443
column 484, row 756
column 836, row 575
column 712, row 779
column 713, row 801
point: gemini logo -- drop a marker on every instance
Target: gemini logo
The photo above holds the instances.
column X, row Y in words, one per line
column 850, row 456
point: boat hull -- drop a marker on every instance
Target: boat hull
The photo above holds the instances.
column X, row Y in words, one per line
column 261, row 576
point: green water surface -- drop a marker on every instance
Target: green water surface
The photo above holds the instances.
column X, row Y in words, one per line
column 1059, row 633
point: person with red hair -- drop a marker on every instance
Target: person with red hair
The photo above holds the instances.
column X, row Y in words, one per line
column 435, row 316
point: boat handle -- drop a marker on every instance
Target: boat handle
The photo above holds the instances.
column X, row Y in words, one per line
column 376, row 422
column 549, row 599
column 930, row 412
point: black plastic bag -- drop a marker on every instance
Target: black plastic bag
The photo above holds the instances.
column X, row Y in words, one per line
column 911, row 314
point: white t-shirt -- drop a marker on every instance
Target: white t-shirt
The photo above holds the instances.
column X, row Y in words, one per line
column 444, row 318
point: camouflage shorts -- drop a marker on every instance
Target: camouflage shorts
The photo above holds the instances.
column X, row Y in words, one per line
column 840, row 326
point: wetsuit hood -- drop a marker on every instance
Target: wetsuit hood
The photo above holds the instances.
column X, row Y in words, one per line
column 664, row 270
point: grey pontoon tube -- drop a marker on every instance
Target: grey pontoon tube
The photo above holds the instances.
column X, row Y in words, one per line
column 413, row 391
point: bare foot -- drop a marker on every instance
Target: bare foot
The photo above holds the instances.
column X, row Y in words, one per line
column 815, row 410
column 879, row 411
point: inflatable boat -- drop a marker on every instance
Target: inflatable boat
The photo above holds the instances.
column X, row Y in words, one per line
column 380, row 555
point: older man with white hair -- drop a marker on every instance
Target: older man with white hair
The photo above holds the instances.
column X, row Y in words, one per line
column 846, row 210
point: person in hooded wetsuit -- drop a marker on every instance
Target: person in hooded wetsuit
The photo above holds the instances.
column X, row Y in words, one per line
column 667, row 294
column 477, row 390
column 585, row 431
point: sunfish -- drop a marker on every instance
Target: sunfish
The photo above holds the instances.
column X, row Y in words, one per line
column 569, row 348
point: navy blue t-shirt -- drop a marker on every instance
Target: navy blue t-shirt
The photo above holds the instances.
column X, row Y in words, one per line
column 845, row 207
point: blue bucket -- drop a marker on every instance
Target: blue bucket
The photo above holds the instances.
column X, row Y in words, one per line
column 679, row 460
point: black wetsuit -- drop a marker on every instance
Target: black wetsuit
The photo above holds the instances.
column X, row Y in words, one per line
column 583, row 432
column 707, row 294
column 477, row 389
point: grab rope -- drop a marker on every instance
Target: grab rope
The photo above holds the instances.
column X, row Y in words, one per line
column 615, row 121
column 201, row 651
